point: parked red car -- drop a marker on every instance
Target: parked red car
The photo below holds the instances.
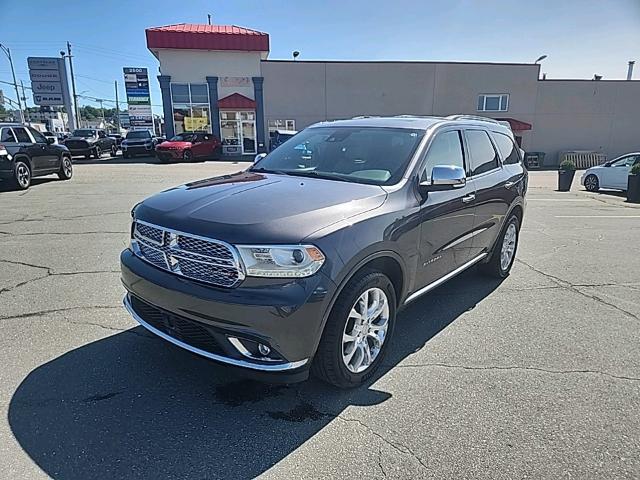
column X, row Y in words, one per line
column 188, row 146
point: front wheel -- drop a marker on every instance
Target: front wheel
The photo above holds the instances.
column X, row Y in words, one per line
column 187, row 156
column 97, row 153
column 504, row 251
column 66, row 169
column 22, row 175
column 358, row 331
column 114, row 150
column 591, row 183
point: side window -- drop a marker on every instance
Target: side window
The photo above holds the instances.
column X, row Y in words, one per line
column 482, row 155
column 6, row 136
column 22, row 135
column 39, row 138
column 507, row 149
column 445, row 149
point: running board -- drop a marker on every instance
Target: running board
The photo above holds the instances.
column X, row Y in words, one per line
column 441, row 280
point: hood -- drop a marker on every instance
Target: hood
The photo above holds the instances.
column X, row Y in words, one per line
column 176, row 145
column 250, row 208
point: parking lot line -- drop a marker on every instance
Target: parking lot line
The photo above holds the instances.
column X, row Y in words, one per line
column 558, row 200
column 596, row 216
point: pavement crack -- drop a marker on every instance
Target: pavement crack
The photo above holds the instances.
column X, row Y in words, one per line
column 42, row 313
column 516, row 367
column 30, row 234
column 384, row 473
column 574, row 288
column 100, row 397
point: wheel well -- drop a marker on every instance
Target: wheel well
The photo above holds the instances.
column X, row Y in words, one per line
column 391, row 268
column 24, row 159
column 518, row 212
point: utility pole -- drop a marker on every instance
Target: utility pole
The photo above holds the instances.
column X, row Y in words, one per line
column 117, row 109
column 73, row 83
column 15, row 84
column 104, row 123
column 24, row 98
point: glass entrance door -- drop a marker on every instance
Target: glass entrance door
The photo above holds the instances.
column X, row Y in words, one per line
column 248, row 136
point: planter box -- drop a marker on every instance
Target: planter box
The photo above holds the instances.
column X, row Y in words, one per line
column 565, row 179
column 633, row 189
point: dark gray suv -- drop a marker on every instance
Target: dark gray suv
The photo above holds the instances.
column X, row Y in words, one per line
column 301, row 262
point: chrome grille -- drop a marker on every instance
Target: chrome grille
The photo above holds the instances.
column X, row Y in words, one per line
column 205, row 260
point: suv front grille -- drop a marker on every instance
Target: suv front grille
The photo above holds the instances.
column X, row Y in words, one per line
column 76, row 144
column 205, row 260
column 187, row 331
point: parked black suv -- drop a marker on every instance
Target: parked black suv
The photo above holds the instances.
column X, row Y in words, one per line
column 89, row 141
column 26, row 153
column 301, row 262
column 139, row 142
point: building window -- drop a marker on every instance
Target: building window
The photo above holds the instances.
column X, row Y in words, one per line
column 190, row 107
column 493, row 102
column 238, row 130
column 281, row 125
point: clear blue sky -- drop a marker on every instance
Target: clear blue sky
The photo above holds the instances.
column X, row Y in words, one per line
column 580, row 37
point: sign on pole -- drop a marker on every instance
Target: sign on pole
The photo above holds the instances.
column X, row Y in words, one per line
column 136, row 84
column 49, row 84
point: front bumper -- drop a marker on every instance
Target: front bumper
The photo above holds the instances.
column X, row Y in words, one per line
column 169, row 154
column 287, row 315
column 81, row 151
column 148, row 149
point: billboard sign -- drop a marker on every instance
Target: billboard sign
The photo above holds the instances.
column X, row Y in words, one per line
column 51, row 99
column 136, row 84
column 44, row 75
column 44, row 63
column 46, row 87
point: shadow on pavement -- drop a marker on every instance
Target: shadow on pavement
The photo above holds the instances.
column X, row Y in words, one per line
column 134, row 406
column 150, row 160
column 7, row 185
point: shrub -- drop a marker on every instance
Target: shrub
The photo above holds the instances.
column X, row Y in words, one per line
column 567, row 165
column 635, row 170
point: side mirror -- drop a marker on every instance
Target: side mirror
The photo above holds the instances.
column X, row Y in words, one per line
column 444, row 177
column 50, row 140
column 259, row 157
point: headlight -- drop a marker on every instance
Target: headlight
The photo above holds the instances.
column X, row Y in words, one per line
column 281, row 260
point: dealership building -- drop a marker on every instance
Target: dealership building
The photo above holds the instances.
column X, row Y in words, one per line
column 219, row 78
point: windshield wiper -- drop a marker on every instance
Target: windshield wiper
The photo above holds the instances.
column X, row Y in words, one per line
column 323, row 175
column 268, row 170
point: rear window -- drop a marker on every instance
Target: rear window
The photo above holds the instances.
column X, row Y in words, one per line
column 508, row 150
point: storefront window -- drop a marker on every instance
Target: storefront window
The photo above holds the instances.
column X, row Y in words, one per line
column 238, row 129
column 190, row 107
column 282, row 125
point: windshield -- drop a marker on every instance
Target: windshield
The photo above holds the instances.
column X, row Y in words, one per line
column 84, row 133
column 372, row 155
column 141, row 134
column 183, row 137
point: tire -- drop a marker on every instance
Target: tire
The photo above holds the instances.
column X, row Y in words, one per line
column 21, row 175
column 87, row 157
column 333, row 355
column 496, row 267
column 114, row 150
column 187, row 156
column 125, row 154
column 591, row 183
column 97, row 153
column 66, row 169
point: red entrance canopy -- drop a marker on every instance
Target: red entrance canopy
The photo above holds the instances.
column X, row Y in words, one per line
column 235, row 100
column 516, row 124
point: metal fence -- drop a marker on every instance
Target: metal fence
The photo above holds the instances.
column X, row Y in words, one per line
column 583, row 159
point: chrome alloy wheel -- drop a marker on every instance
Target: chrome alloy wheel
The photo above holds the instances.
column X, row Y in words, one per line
column 508, row 246
column 67, row 167
column 365, row 330
column 23, row 175
column 591, row 183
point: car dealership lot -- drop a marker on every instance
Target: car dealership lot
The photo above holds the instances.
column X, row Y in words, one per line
column 538, row 376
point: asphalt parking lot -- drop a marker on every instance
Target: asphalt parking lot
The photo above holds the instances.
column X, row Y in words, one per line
column 537, row 376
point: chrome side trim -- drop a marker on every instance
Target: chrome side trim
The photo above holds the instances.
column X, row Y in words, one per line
column 464, row 238
column 448, row 276
column 218, row 358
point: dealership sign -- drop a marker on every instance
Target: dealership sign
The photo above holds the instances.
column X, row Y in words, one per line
column 49, row 81
column 136, row 84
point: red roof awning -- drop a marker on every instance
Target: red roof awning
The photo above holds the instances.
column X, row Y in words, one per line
column 516, row 124
column 207, row 37
column 235, row 100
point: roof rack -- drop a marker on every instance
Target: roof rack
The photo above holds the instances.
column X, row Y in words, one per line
column 472, row 117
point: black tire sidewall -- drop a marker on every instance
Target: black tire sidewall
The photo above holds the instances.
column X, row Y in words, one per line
column 187, row 156
column 337, row 322
column 62, row 173
column 97, row 152
column 15, row 174
column 505, row 272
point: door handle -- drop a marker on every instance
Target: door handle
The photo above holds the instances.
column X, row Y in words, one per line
column 509, row 184
column 469, row 198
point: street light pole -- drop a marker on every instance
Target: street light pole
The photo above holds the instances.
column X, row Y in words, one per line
column 7, row 52
column 73, row 83
column 117, row 108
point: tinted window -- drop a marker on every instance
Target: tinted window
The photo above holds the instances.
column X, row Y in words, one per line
column 139, row 134
column 624, row 162
column 84, row 133
column 183, row 137
column 180, row 92
column 507, row 149
column 22, row 135
column 39, row 138
column 445, row 149
column 482, row 155
column 199, row 93
column 6, row 136
column 372, row 155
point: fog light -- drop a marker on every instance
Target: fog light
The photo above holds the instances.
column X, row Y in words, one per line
column 263, row 349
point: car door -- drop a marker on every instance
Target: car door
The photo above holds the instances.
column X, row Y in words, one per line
column 496, row 188
column 104, row 142
column 446, row 217
column 36, row 152
column 616, row 174
column 51, row 155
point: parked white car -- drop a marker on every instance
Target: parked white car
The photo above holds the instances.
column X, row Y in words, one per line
column 612, row 175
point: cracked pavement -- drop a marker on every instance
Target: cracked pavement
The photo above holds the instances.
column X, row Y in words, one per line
column 538, row 376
